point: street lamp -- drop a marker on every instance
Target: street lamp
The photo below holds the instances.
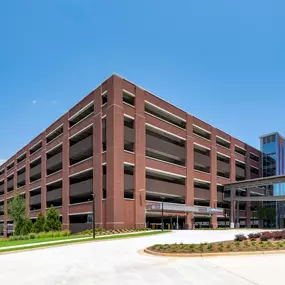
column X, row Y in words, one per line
column 162, row 221
column 93, row 213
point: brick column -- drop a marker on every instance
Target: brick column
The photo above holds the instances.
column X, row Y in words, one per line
column 140, row 175
column 5, row 205
column 43, row 175
column 65, row 174
column 248, row 203
column 189, row 199
column 115, row 154
column 213, row 202
column 97, row 158
column 15, row 179
column 27, row 177
column 233, row 171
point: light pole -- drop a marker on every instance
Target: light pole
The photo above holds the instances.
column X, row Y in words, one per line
column 93, row 212
column 162, row 221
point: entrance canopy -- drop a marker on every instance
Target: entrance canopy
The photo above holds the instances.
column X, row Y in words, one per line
column 254, row 190
column 259, row 189
column 176, row 208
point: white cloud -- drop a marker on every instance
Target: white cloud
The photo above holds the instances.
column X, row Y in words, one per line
column 34, row 102
column 2, row 161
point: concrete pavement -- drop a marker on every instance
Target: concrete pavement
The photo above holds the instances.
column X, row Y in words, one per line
column 118, row 262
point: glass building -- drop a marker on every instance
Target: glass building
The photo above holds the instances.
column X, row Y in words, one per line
column 273, row 164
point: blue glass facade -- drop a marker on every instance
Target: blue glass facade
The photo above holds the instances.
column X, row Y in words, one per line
column 272, row 148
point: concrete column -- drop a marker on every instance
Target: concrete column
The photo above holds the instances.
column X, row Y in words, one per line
column 65, row 174
column 189, row 200
column 140, row 175
column 115, row 154
column 213, row 189
column 97, row 158
column 44, row 174
column 237, row 221
column 232, row 218
column 233, row 171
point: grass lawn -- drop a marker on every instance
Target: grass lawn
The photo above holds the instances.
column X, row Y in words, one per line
column 4, row 243
column 33, row 243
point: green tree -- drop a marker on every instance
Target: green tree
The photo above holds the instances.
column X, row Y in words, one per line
column 39, row 225
column 270, row 213
column 27, row 226
column 52, row 220
column 17, row 212
column 261, row 212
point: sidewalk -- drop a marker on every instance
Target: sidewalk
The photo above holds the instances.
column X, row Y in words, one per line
column 68, row 240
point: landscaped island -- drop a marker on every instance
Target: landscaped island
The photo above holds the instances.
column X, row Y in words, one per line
column 264, row 241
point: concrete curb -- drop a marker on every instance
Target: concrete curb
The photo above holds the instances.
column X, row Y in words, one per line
column 213, row 254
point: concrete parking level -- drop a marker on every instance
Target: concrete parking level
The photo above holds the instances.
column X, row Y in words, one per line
column 118, row 262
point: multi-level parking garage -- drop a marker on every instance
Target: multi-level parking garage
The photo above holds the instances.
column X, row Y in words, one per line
column 128, row 148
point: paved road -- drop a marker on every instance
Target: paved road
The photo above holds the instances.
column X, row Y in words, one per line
column 118, row 262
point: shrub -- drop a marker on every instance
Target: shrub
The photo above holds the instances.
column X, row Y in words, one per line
column 52, row 222
column 265, row 236
column 32, row 236
column 254, row 236
column 65, row 233
column 277, row 235
column 210, row 247
column 283, row 234
column 240, row 237
column 39, row 224
column 27, row 226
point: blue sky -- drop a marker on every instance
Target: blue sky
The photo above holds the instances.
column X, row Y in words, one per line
column 222, row 61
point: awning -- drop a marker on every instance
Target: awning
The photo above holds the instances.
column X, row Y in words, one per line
column 168, row 207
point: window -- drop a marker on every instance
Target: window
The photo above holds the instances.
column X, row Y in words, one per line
column 36, row 147
column 128, row 182
column 202, row 160
column 22, row 157
column 82, row 114
column 201, row 133
column 129, row 135
column 223, row 166
column 254, row 173
column 104, row 135
column 104, row 98
column 164, row 146
column 223, row 142
column 54, row 134
column 164, row 115
column 269, row 139
column 240, row 150
column 104, row 181
column 10, row 166
column 254, row 157
column 81, row 146
column 128, row 98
